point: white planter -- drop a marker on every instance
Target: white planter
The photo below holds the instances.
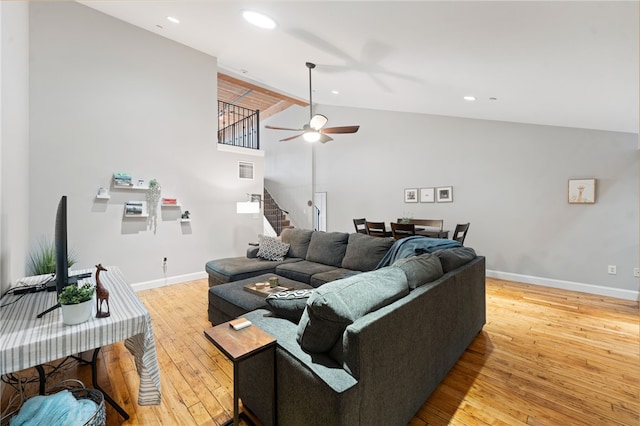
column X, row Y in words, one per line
column 78, row 313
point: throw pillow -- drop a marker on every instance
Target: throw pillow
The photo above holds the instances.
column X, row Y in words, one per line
column 335, row 305
column 454, row 258
column 272, row 248
column 327, row 248
column 420, row 269
column 289, row 304
column 364, row 252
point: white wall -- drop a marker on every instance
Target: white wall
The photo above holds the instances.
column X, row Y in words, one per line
column 14, row 142
column 288, row 174
column 107, row 96
column 509, row 180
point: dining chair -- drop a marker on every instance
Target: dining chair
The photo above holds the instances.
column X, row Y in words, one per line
column 402, row 230
column 359, row 225
column 460, row 232
column 377, row 229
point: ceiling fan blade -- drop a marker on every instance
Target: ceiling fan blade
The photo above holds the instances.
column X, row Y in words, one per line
column 282, row 128
column 325, row 138
column 290, row 138
column 341, row 129
column 317, row 121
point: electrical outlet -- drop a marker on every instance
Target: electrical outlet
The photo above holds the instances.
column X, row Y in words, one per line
column 611, row 270
column 636, row 272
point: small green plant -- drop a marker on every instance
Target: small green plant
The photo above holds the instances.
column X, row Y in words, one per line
column 42, row 259
column 72, row 294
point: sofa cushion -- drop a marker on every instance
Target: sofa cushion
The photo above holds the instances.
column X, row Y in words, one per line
column 337, row 304
column 454, row 258
column 304, row 271
column 239, row 268
column 364, row 252
column 327, row 247
column 272, row 248
column 289, row 304
column 420, row 269
column 334, row 274
column 298, row 239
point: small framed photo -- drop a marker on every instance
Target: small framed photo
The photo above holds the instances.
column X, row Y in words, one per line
column 427, row 195
column 444, row 194
column 582, row 191
column 411, row 195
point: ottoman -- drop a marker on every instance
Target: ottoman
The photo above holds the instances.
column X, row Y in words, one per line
column 231, row 300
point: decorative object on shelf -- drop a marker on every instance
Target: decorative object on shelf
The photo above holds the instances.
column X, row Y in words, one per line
column 135, row 209
column 103, row 194
column 582, row 191
column 427, row 195
column 153, row 196
column 185, row 215
column 444, row 194
column 169, row 201
column 102, row 294
column 76, row 303
column 122, row 180
column 411, row 195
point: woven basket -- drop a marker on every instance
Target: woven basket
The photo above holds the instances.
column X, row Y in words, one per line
column 79, row 391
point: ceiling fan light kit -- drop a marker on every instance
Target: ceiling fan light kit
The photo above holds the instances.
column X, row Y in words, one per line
column 315, row 131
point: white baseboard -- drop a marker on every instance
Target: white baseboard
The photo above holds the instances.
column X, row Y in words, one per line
column 168, row 281
column 566, row 285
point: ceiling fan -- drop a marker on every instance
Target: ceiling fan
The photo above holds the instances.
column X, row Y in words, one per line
column 314, row 130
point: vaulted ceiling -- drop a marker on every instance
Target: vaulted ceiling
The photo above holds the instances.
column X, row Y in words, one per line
column 561, row 63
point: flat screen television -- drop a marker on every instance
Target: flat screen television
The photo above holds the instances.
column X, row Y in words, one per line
column 62, row 278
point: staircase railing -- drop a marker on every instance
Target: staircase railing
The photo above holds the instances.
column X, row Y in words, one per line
column 275, row 215
column 238, row 126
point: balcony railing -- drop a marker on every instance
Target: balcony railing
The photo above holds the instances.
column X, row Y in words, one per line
column 238, row 126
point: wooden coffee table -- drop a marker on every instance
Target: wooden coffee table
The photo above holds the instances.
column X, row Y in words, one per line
column 237, row 346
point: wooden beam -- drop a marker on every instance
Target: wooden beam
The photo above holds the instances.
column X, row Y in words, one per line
column 260, row 89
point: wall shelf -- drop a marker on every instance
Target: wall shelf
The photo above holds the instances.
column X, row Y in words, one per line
column 103, row 197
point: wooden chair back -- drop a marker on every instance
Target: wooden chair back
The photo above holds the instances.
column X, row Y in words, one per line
column 402, row 230
column 359, row 225
column 460, row 232
column 377, row 229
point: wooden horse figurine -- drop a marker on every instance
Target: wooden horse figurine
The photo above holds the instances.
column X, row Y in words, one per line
column 102, row 294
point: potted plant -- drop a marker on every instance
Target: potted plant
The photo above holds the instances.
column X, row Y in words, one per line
column 42, row 259
column 76, row 303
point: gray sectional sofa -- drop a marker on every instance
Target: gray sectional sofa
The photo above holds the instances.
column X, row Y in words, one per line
column 370, row 347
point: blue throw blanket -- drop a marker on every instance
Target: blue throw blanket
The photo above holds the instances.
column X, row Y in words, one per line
column 413, row 246
column 61, row 408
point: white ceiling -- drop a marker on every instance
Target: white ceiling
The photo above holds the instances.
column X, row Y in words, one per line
column 562, row 63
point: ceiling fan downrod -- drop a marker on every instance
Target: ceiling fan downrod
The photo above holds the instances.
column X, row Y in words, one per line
column 310, row 66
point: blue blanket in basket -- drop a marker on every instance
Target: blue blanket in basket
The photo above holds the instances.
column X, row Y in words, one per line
column 61, row 408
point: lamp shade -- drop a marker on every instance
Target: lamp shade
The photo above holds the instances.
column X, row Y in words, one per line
column 246, row 207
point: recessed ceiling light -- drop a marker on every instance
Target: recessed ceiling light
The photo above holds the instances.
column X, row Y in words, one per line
column 172, row 19
column 470, row 98
column 335, row 92
column 258, row 19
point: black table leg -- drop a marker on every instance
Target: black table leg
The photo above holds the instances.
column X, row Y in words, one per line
column 94, row 379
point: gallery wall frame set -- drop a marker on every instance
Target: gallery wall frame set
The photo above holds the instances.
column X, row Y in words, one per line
column 581, row 191
column 443, row 194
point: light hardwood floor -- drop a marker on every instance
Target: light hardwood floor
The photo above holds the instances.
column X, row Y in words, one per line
column 545, row 357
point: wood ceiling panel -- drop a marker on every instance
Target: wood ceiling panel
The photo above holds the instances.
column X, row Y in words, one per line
column 248, row 95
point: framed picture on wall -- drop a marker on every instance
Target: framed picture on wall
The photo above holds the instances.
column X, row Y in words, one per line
column 411, row 195
column 427, row 195
column 444, row 194
column 582, row 191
